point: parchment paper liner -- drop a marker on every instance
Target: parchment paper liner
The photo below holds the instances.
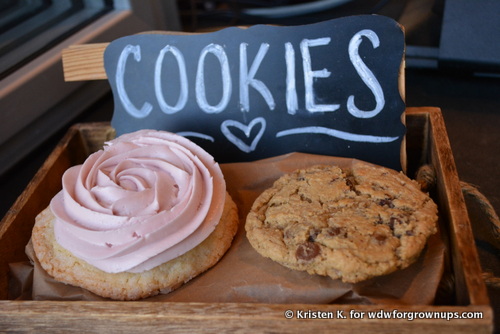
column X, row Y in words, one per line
column 242, row 275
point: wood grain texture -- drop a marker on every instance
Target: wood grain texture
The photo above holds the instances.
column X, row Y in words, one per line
column 466, row 263
column 428, row 143
column 131, row 317
column 84, row 62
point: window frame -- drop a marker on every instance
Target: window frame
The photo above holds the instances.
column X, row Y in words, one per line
column 36, row 102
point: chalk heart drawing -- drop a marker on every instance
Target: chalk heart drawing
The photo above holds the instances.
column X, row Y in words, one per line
column 247, row 129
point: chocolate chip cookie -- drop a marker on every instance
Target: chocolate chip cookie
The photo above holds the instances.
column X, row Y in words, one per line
column 347, row 223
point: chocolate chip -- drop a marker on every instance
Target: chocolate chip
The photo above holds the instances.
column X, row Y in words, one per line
column 386, row 202
column 351, row 183
column 307, row 251
column 313, row 234
column 305, row 199
column 334, row 179
column 336, row 231
column 380, row 238
column 397, row 220
column 393, row 221
column 410, row 233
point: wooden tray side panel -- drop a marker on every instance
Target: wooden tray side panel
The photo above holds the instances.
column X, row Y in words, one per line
column 16, row 226
column 417, row 138
column 470, row 287
column 133, row 317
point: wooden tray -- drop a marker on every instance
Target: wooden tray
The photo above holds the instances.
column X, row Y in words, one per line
column 427, row 143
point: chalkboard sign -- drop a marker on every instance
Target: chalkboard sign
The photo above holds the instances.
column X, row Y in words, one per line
column 245, row 94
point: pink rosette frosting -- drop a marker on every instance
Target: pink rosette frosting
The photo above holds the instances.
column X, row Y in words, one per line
column 147, row 197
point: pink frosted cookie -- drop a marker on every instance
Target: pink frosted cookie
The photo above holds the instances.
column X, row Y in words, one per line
column 143, row 215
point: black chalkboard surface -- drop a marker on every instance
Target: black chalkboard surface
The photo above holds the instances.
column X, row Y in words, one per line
column 245, row 94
